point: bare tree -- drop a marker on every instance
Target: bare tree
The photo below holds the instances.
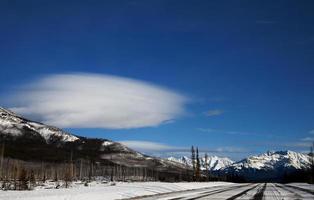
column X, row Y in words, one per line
column 81, row 168
column 43, row 172
column 32, row 180
column 1, row 160
column 55, row 178
column 15, row 175
column 67, row 175
column 23, row 182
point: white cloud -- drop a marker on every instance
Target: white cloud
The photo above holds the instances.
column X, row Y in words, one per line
column 214, row 112
column 304, row 144
column 208, row 130
column 308, row 139
column 230, row 150
column 311, row 132
column 147, row 146
column 217, row 131
column 164, row 150
column 98, row 101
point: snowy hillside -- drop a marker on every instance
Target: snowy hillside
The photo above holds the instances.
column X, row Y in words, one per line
column 14, row 125
column 213, row 162
column 33, row 141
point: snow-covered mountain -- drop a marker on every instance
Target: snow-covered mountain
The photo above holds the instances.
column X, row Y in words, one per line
column 14, row 125
column 213, row 162
column 216, row 163
column 270, row 165
column 184, row 160
column 33, row 141
column 274, row 159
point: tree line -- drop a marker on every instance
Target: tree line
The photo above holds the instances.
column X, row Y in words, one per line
column 17, row 174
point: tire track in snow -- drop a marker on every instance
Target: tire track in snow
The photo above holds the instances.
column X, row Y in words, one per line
column 182, row 192
column 242, row 193
column 260, row 193
column 301, row 189
column 284, row 187
column 206, row 194
column 275, row 189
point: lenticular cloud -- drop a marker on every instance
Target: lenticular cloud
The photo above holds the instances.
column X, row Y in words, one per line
column 98, row 101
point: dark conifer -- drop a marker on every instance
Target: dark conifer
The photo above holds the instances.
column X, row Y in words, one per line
column 198, row 166
column 193, row 161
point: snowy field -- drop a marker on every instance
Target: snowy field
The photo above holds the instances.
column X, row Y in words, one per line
column 166, row 191
column 100, row 191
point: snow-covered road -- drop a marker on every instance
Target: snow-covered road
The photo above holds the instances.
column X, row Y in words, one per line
column 167, row 191
column 258, row 191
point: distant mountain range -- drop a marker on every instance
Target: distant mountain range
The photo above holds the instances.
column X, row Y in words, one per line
column 272, row 165
column 32, row 141
column 214, row 163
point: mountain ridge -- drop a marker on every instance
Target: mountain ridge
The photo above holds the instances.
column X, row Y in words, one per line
column 33, row 141
column 272, row 165
column 213, row 162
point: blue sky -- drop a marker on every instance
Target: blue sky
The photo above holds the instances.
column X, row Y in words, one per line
column 246, row 67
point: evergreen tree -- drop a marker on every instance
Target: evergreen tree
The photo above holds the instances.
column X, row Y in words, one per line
column 206, row 166
column 312, row 163
column 198, row 166
column 193, row 161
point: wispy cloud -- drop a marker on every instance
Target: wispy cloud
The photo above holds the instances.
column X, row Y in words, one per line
column 210, row 130
column 214, row 112
column 311, row 132
column 155, row 148
column 308, row 139
column 300, row 144
column 230, row 149
column 148, row 146
column 81, row 100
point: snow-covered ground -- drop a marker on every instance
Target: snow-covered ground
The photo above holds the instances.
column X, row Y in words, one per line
column 302, row 185
column 104, row 191
column 165, row 191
